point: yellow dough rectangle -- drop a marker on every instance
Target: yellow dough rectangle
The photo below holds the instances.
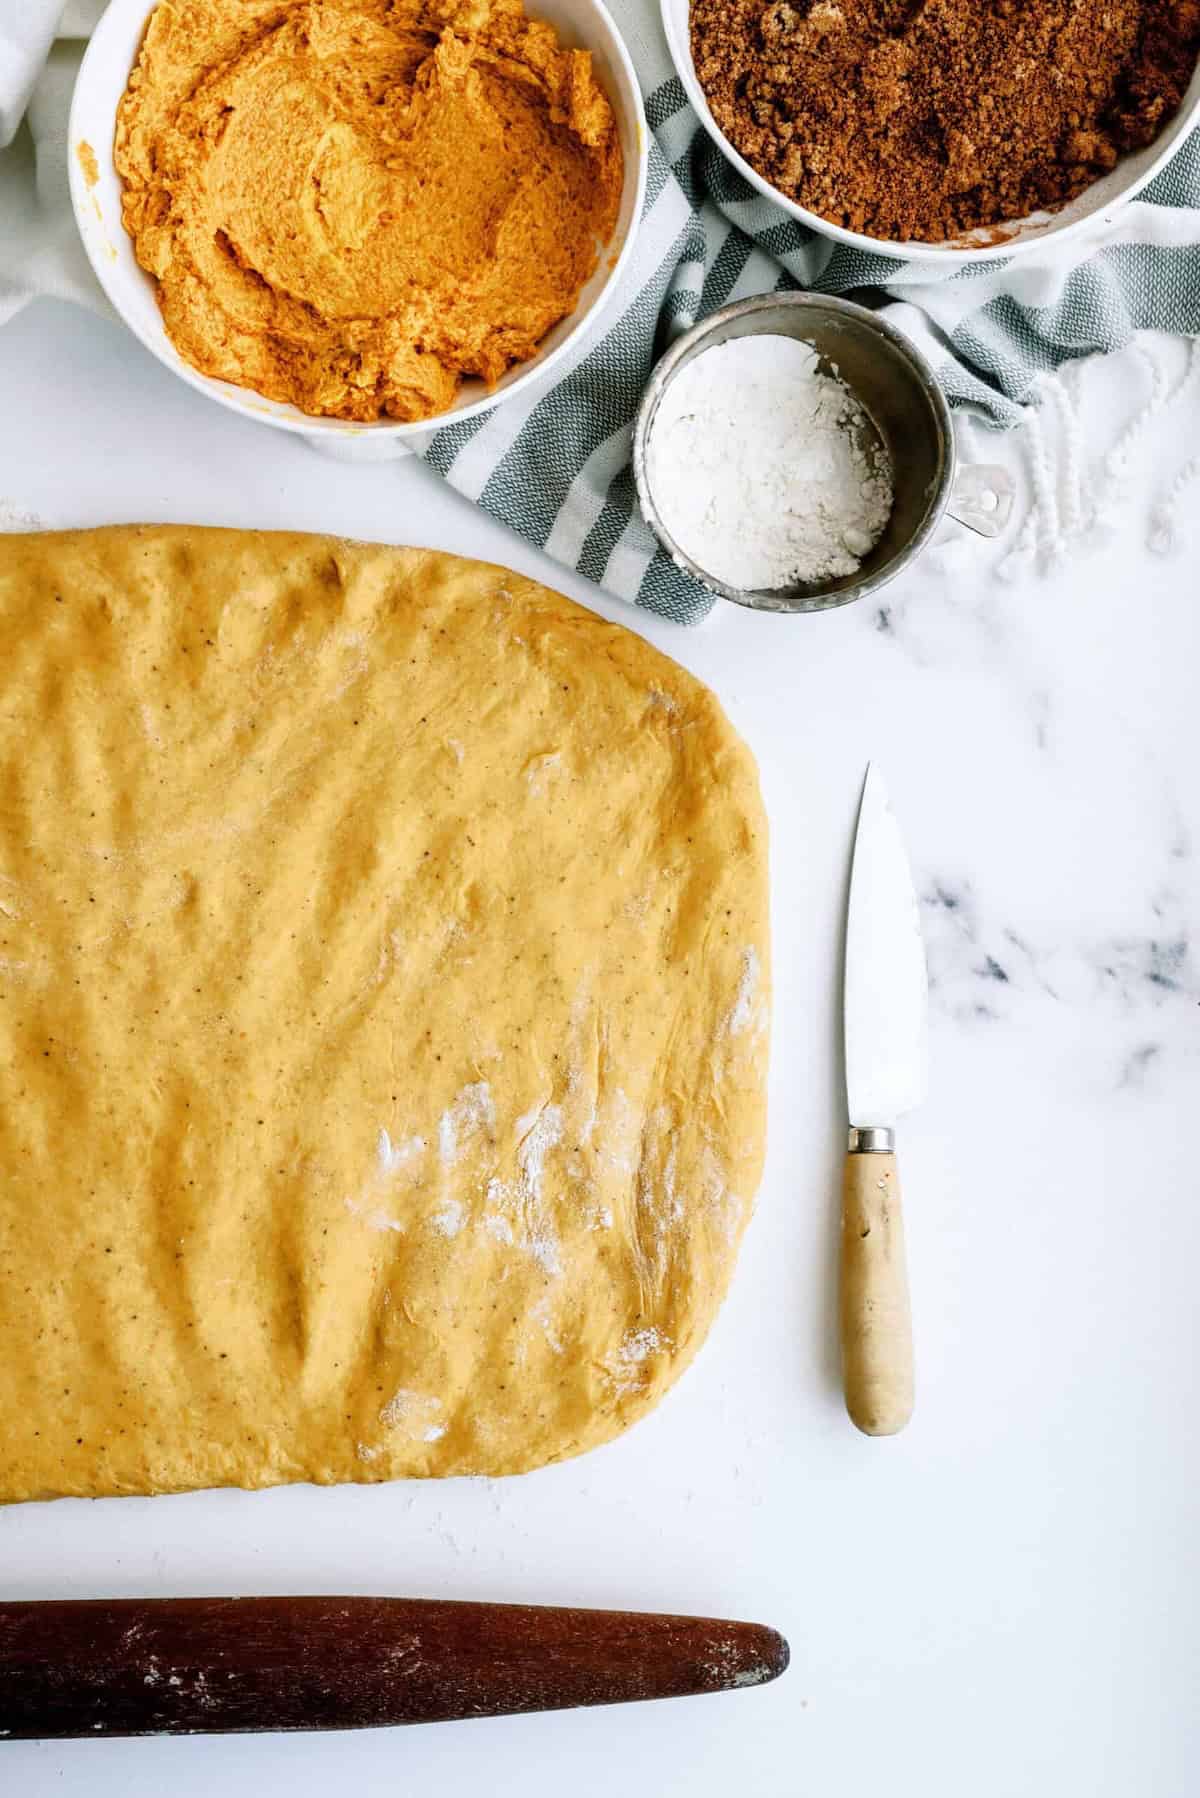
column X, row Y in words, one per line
column 383, row 1014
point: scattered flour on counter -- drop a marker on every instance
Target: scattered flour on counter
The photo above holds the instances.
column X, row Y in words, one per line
column 16, row 518
column 767, row 471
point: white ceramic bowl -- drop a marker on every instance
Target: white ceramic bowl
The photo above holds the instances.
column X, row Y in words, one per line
column 1097, row 202
column 581, row 24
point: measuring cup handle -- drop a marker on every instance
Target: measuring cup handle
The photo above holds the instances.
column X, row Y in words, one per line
column 982, row 498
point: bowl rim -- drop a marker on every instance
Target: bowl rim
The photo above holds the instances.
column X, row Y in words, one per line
column 248, row 402
column 945, row 255
column 664, row 371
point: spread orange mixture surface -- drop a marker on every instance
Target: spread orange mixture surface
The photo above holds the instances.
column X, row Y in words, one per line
column 353, row 205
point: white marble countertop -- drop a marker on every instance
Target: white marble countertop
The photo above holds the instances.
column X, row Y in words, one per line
column 1004, row 1600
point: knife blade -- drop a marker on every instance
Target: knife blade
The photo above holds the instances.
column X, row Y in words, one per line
column 886, row 988
column 885, row 1003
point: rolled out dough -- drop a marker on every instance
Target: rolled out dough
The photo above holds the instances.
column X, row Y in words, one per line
column 383, row 984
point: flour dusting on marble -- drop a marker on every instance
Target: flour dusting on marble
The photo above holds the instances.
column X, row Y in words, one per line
column 16, row 518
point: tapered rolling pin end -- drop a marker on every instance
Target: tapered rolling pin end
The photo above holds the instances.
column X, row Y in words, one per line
column 87, row 1667
column 752, row 1655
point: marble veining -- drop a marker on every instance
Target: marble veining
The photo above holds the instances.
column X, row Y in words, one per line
column 985, row 971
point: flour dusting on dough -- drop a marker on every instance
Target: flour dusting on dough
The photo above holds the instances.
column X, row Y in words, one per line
column 540, row 770
column 471, row 1114
column 150, row 728
column 393, row 1156
column 748, row 1011
column 542, row 1317
column 374, row 1215
column 451, row 1217
column 617, row 1133
column 626, row 1365
column 391, row 1159
column 494, row 1222
column 520, row 1204
column 414, row 1415
column 539, row 1132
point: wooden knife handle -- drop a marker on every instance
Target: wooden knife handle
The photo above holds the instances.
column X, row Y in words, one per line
column 131, row 1667
column 876, row 1318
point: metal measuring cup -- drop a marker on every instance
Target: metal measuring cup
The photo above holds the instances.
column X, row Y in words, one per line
column 904, row 402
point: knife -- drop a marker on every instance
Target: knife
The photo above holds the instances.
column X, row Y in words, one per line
column 184, row 1666
column 885, row 1003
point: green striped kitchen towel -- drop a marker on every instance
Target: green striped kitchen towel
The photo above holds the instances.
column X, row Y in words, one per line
column 554, row 465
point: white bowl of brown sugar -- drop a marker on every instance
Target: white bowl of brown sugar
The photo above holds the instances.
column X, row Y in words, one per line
column 945, row 131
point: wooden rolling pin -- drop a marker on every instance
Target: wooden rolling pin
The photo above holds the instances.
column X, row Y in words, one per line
column 181, row 1666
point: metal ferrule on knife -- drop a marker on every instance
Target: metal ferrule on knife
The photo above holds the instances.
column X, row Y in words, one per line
column 875, row 1141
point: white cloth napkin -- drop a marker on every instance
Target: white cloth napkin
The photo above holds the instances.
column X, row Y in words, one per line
column 40, row 251
column 27, row 29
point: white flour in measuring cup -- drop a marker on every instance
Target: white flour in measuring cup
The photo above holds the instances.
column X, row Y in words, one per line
column 767, row 471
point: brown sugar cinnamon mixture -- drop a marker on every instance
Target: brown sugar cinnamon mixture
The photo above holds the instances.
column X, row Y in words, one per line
column 926, row 118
